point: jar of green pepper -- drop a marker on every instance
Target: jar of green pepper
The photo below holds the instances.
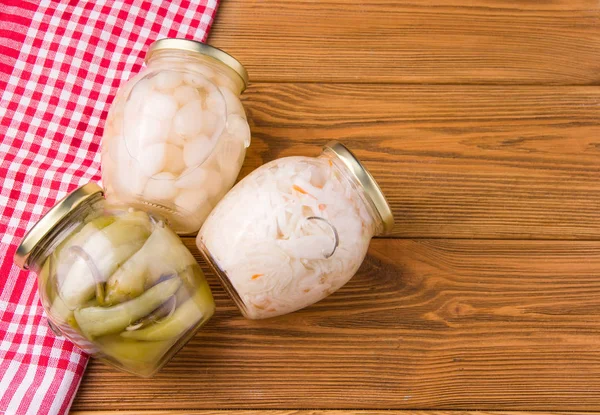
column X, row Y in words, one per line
column 116, row 281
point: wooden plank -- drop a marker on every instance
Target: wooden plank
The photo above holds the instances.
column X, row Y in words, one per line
column 323, row 412
column 454, row 161
column 431, row 324
column 434, row 41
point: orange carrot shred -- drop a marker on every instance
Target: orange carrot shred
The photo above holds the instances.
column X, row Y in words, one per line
column 330, row 163
column 299, row 189
column 322, row 206
column 255, row 276
column 306, row 290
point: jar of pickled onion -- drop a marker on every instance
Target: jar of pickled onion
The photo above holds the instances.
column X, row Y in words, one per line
column 117, row 282
column 176, row 134
column 294, row 231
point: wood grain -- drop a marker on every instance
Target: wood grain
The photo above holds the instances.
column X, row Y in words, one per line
column 433, row 41
column 480, row 120
column 430, row 324
column 454, row 161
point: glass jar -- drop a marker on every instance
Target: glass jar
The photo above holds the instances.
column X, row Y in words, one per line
column 294, row 231
column 176, row 134
column 116, row 282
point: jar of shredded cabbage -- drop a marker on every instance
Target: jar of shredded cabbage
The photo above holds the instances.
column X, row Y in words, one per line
column 176, row 134
column 116, row 282
column 294, row 231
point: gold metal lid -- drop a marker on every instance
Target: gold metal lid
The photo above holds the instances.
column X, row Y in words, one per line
column 51, row 219
column 370, row 186
column 202, row 48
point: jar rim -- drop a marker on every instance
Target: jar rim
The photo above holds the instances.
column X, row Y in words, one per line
column 44, row 227
column 173, row 43
column 367, row 182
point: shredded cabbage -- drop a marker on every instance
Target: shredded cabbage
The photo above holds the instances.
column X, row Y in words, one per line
column 289, row 234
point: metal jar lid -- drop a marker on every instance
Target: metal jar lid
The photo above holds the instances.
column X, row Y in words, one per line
column 51, row 219
column 188, row 45
column 368, row 183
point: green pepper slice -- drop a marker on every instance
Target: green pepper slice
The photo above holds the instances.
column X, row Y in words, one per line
column 99, row 321
column 199, row 307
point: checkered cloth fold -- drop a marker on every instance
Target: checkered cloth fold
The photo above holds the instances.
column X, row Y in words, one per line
column 61, row 63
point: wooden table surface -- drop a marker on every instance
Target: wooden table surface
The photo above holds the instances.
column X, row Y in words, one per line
column 481, row 121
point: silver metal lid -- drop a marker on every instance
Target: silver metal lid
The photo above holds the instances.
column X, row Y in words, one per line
column 368, row 183
column 202, row 48
column 52, row 218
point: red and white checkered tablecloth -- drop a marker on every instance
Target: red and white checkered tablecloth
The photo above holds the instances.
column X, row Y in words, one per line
column 60, row 64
